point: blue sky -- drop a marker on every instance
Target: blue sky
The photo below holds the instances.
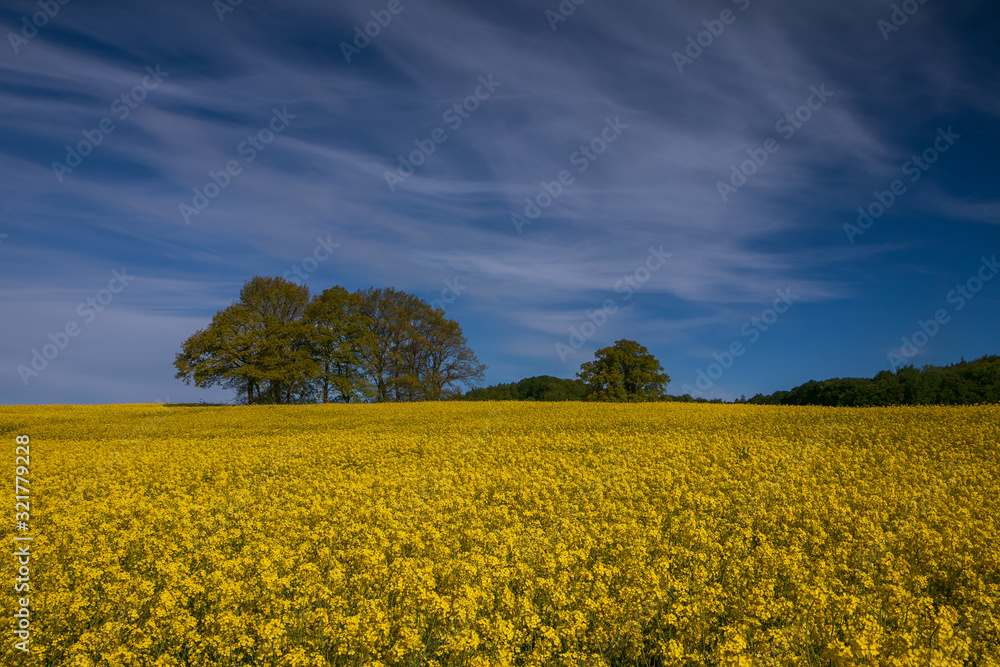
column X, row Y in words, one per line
column 689, row 165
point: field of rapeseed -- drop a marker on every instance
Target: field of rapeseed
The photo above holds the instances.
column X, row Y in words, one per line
column 508, row 534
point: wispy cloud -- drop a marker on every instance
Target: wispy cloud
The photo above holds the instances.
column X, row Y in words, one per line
column 656, row 185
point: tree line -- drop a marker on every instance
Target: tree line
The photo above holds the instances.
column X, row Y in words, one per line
column 965, row 383
column 538, row 388
column 623, row 372
column 278, row 344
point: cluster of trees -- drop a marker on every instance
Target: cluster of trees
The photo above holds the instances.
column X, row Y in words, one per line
column 540, row 388
column 625, row 371
column 964, row 383
column 277, row 344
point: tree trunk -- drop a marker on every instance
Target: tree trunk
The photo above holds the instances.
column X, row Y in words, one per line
column 326, row 383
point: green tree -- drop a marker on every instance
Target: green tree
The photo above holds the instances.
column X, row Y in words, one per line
column 382, row 316
column 415, row 353
column 539, row 388
column 448, row 361
column 258, row 345
column 277, row 306
column 338, row 340
column 548, row 388
column 964, row 383
column 626, row 371
column 223, row 353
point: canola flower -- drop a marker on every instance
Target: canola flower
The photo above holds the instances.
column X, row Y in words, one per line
column 488, row 534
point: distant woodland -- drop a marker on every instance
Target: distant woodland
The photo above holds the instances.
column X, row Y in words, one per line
column 964, row 383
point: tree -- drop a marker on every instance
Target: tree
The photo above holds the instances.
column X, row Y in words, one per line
column 626, row 371
column 223, row 353
column 539, row 388
column 282, row 359
column 964, row 383
column 257, row 345
column 338, row 341
column 381, row 317
column 416, row 353
column 548, row 388
column 449, row 361
column 276, row 345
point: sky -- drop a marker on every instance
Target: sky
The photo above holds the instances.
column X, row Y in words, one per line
column 760, row 193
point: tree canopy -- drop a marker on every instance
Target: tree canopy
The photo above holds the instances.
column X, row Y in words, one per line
column 626, row 371
column 278, row 345
column 540, row 388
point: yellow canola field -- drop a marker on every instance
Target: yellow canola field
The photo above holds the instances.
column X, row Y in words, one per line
column 508, row 534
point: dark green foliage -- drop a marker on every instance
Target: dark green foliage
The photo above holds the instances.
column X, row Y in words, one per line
column 541, row 388
column 964, row 383
column 625, row 371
